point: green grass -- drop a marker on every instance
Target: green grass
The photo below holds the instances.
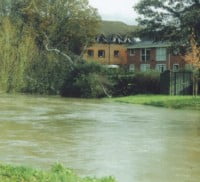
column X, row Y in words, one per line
column 58, row 173
column 178, row 102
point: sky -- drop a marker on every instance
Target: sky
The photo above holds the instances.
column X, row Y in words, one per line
column 117, row 10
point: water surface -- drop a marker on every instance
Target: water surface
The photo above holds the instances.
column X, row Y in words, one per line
column 134, row 143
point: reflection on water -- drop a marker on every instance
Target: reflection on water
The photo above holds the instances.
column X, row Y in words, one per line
column 133, row 143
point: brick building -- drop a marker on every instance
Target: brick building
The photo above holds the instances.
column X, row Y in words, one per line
column 135, row 55
column 110, row 50
column 146, row 55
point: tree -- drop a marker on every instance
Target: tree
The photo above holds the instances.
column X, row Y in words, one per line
column 68, row 24
column 87, row 80
column 173, row 20
column 15, row 55
column 34, row 33
column 193, row 57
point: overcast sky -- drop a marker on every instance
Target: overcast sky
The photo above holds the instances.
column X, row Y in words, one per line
column 118, row 10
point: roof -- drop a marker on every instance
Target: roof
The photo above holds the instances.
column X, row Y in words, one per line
column 148, row 44
column 113, row 39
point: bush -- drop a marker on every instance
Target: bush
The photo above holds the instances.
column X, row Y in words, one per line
column 46, row 74
column 137, row 83
column 86, row 80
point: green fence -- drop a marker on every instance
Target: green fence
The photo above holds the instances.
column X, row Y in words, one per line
column 176, row 83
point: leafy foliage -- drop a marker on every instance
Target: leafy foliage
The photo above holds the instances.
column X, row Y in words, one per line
column 137, row 83
column 46, row 74
column 169, row 20
column 15, row 55
column 28, row 28
column 57, row 174
column 86, row 80
column 69, row 24
column 193, row 56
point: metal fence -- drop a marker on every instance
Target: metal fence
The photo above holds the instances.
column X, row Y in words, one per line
column 176, row 83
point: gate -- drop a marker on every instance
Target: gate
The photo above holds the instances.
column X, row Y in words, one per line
column 176, row 83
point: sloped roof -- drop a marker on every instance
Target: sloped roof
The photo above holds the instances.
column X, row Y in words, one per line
column 114, row 39
column 101, row 39
column 148, row 44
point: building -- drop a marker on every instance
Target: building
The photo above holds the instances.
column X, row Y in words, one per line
column 134, row 55
column 146, row 55
column 110, row 50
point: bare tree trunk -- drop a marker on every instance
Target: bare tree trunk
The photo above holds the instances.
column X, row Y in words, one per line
column 81, row 54
column 193, row 85
column 104, row 90
column 197, row 86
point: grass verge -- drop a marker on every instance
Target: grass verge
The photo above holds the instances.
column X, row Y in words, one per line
column 178, row 102
column 58, row 173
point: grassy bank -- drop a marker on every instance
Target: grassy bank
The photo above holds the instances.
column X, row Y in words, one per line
column 187, row 102
column 57, row 174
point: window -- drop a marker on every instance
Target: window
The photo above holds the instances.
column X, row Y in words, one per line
column 144, row 67
column 175, row 67
column 116, row 53
column 131, row 52
column 145, row 55
column 131, row 67
column 101, row 53
column 90, row 53
column 161, row 54
column 161, row 67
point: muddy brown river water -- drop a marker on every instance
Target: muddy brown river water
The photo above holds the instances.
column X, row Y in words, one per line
column 134, row 143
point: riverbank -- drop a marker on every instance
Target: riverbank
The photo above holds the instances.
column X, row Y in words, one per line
column 177, row 102
column 58, row 173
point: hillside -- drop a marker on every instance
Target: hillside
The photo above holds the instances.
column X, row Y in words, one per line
column 113, row 27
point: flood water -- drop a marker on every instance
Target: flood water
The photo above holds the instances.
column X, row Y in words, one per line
column 99, row 138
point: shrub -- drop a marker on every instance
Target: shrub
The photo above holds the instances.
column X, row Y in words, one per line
column 137, row 83
column 46, row 74
column 86, row 80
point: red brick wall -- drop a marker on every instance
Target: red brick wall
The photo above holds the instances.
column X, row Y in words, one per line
column 171, row 59
column 134, row 59
column 176, row 60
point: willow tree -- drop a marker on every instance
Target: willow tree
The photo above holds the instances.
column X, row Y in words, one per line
column 14, row 55
column 66, row 25
column 35, row 31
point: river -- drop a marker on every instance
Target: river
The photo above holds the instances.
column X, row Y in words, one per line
column 133, row 143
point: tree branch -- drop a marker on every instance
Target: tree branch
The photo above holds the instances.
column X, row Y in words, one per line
column 175, row 13
column 57, row 51
column 104, row 90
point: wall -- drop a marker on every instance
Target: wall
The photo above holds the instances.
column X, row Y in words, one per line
column 109, row 54
column 171, row 59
